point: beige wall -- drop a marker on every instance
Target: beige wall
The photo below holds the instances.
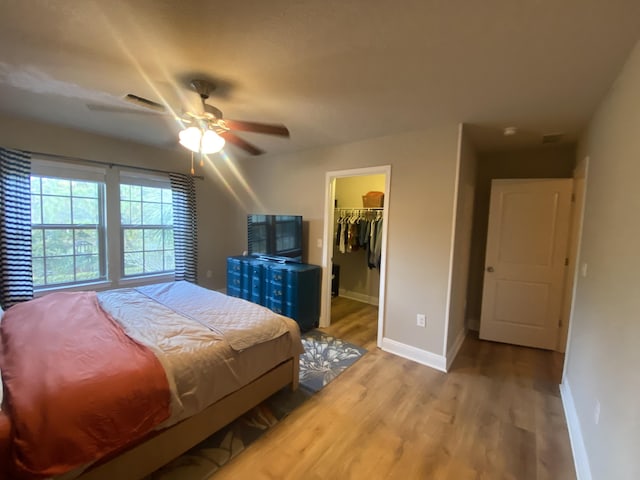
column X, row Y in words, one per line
column 546, row 162
column 357, row 280
column 420, row 217
column 462, row 240
column 216, row 209
column 604, row 341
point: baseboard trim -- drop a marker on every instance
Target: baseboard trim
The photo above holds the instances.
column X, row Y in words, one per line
column 359, row 297
column 453, row 353
column 416, row 354
column 580, row 457
column 473, row 324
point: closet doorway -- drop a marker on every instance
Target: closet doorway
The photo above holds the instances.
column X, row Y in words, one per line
column 355, row 240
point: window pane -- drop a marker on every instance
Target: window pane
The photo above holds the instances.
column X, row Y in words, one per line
column 125, row 192
column 133, row 263
column 153, row 239
column 36, row 212
column 167, row 214
column 56, row 210
column 136, row 192
column 125, row 212
column 146, row 250
column 84, row 189
column 58, row 242
column 59, row 269
column 153, row 262
column 37, row 247
column 85, row 211
column 87, row 267
column 87, row 241
column 56, row 186
column 168, row 239
column 66, row 255
column 35, row 185
column 133, row 240
column 151, row 213
column 136, row 213
column 38, row 272
column 152, row 194
column 169, row 261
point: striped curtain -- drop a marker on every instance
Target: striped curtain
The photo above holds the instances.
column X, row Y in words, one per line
column 185, row 234
column 16, row 279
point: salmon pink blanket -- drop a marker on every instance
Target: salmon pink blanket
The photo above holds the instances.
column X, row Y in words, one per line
column 77, row 387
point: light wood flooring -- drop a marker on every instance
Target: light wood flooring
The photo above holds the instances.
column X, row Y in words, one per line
column 496, row 415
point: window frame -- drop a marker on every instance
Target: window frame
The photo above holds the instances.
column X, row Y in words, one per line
column 42, row 168
column 143, row 179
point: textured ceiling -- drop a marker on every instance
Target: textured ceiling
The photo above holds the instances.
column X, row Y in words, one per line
column 333, row 71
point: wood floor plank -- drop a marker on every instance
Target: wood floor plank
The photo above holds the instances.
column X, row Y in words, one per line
column 496, row 415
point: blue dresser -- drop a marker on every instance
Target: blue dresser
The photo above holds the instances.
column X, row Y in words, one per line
column 291, row 289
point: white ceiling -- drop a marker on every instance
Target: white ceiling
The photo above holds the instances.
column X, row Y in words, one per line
column 333, row 71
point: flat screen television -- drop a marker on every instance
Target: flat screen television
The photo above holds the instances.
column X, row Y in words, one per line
column 275, row 236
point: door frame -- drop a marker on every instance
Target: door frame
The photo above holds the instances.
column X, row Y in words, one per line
column 328, row 233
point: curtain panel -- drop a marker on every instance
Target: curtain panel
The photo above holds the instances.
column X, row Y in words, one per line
column 16, row 279
column 185, row 233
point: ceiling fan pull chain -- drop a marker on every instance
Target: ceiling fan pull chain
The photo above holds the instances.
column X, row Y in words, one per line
column 193, row 172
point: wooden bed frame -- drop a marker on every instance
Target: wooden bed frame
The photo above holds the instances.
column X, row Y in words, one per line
column 168, row 444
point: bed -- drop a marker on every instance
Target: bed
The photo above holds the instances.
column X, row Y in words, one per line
column 173, row 363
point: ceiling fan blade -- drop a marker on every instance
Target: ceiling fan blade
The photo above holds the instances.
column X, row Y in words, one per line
column 240, row 143
column 96, row 107
column 144, row 102
column 255, row 127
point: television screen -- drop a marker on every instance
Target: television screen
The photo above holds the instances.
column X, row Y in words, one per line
column 277, row 236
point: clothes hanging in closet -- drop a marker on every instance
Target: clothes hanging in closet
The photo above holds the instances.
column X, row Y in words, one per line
column 360, row 229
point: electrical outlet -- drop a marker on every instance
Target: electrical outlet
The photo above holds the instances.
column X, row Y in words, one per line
column 596, row 413
column 421, row 320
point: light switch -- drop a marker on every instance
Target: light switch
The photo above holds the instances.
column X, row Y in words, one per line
column 583, row 270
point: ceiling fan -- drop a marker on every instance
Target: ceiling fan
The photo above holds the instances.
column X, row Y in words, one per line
column 205, row 125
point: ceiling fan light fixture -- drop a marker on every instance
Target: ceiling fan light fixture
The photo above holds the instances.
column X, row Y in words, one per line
column 199, row 141
column 211, row 142
column 190, row 138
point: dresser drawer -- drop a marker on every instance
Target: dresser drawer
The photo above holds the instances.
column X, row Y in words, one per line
column 290, row 289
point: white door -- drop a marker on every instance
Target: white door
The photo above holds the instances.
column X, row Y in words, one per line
column 525, row 261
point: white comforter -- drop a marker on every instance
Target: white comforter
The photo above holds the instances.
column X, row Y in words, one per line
column 197, row 335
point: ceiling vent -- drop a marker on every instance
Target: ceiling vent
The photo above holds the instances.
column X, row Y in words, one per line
column 552, row 138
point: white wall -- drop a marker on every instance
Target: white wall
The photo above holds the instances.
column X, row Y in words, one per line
column 216, row 209
column 462, row 244
column 423, row 168
column 604, row 340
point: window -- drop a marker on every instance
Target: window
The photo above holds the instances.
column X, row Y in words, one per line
column 146, row 218
column 92, row 224
column 67, row 228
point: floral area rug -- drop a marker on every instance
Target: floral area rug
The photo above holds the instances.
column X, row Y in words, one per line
column 325, row 357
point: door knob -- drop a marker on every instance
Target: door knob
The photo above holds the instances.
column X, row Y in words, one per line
column 490, row 269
